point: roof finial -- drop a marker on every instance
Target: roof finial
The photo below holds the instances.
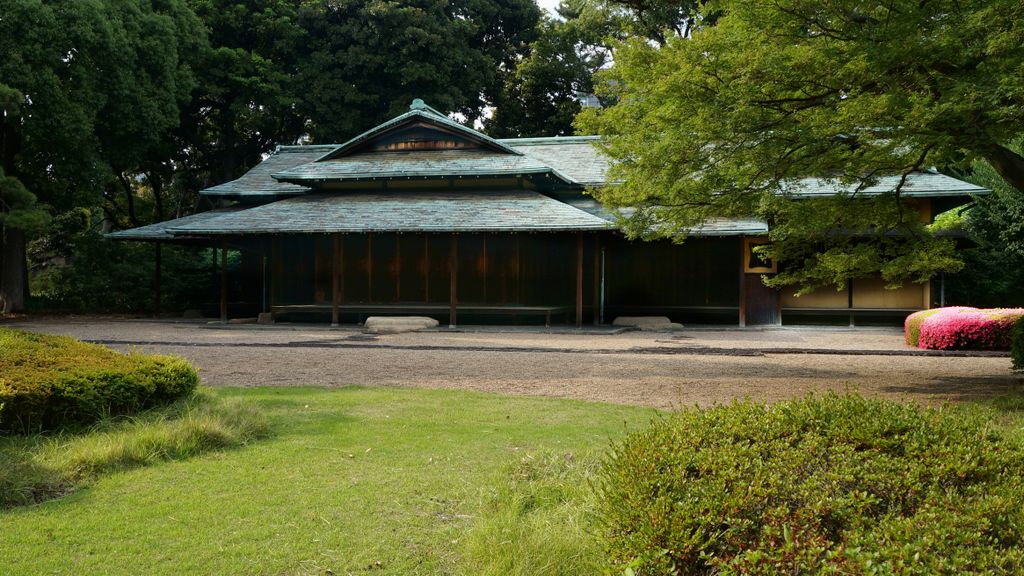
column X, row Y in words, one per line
column 418, row 104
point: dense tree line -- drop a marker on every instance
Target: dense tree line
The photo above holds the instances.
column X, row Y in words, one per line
column 124, row 109
column 114, row 113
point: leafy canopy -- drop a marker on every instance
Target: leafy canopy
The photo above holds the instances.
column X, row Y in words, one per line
column 725, row 123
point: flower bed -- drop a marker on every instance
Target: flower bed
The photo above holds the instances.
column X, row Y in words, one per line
column 962, row 328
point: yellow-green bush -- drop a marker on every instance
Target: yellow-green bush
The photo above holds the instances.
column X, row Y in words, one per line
column 1017, row 345
column 839, row 485
column 55, row 381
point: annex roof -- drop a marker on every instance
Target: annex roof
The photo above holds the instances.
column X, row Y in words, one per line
column 406, row 211
column 711, row 227
column 160, row 230
column 258, row 182
column 928, row 184
column 576, row 157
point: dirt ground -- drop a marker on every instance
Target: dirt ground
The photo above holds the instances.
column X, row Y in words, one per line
column 700, row 365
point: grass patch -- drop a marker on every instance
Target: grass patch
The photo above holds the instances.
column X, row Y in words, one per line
column 354, row 480
column 44, row 466
column 536, row 519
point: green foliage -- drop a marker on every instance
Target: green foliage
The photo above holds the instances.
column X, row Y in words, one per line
column 45, row 466
column 1017, row 346
column 724, row 123
column 535, row 520
column 18, row 207
column 55, row 381
column 366, row 61
column 840, row 484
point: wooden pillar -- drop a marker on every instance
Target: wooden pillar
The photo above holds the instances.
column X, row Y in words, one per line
column 849, row 301
column 597, row 279
column 336, row 279
column 743, row 284
column 426, row 268
column 398, row 267
column 453, row 267
column 275, row 270
column 369, row 267
column 579, row 279
column 157, row 280
column 518, row 272
column 486, row 264
column 224, row 280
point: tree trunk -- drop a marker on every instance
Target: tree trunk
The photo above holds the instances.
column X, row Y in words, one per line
column 13, row 271
column 1008, row 164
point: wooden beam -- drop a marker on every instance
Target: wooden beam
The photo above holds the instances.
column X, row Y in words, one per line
column 518, row 271
column 484, row 249
column 579, row 279
column 157, row 280
column 426, row 268
column 743, row 284
column 275, row 269
column 597, row 279
column 398, row 267
column 336, row 280
column 453, row 268
column 224, row 280
column 369, row 267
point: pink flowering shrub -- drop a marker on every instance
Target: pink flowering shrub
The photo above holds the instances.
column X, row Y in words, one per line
column 912, row 325
column 967, row 328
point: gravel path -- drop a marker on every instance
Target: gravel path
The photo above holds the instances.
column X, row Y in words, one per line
column 696, row 366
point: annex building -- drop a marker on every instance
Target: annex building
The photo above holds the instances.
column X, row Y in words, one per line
column 422, row 215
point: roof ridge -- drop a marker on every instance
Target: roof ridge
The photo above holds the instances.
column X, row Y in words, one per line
column 548, row 140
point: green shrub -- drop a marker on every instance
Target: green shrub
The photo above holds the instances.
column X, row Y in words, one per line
column 1017, row 345
column 840, row 485
column 55, row 381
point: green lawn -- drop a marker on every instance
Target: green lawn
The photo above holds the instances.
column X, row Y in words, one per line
column 353, row 480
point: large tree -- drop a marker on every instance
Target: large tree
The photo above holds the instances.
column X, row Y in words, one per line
column 367, row 60
column 726, row 121
column 89, row 92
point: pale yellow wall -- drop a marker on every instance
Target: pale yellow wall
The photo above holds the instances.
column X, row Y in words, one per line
column 820, row 298
column 871, row 293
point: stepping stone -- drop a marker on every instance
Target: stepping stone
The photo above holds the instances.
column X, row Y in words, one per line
column 647, row 323
column 397, row 324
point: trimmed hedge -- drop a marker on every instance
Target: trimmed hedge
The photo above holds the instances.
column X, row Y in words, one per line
column 838, row 485
column 1017, row 345
column 55, row 381
column 961, row 328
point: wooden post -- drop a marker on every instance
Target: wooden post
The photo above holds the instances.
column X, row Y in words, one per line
column 426, row 268
column 156, row 281
column 398, row 267
column 597, row 279
column 743, row 285
column 579, row 279
column 453, row 267
column 518, row 273
column 336, row 280
column 369, row 267
column 849, row 301
column 486, row 264
column 275, row 270
column 224, row 280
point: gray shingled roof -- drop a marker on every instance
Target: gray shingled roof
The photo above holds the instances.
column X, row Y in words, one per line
column 574, row 156
column 455, row 211
column 420, row 163
column 258, row 182
column 159, row 231
column 712, row 227
column 919, row 184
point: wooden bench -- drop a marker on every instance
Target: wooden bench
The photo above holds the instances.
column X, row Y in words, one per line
column 408, row 308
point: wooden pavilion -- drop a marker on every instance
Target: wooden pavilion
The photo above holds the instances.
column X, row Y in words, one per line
column 422, row 215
